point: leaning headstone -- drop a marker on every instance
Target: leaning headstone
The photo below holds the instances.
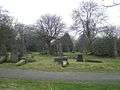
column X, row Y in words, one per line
column 21, row 62
column 2, row 59
column 79, row 58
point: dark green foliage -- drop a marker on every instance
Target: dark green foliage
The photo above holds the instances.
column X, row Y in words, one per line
column 81, row 44
column 5, row 34
column 18, row 47
column 3, row 50
column 104, row 47
column 118, row 46
column 67, row 44
column 35, row 42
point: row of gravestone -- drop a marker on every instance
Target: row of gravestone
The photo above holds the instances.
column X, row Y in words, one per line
column 63, row 61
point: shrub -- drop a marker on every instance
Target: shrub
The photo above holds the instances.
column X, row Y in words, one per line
column 103, row 47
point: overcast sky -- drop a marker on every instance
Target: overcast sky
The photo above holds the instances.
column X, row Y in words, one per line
column 28, row 11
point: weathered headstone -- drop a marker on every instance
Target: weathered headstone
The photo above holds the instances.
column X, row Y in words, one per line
column 63, row 61
column 2, row 59
column 21, row 62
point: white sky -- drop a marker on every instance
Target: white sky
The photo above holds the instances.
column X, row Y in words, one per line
column 28, row 11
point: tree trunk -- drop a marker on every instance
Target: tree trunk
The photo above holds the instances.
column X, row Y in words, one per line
column 115, row 48
column 3, row 50
column 3, row 53
column 18, row 50
column 50, row 51
column 14, row 57
column 14, row 52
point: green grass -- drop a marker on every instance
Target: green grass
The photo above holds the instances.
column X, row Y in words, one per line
column 46, row 63
column 16, row 84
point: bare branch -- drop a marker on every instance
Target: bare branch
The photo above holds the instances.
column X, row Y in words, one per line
column 114, row 4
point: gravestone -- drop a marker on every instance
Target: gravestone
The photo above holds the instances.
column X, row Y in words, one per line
column 63, row 61
column 79, row 58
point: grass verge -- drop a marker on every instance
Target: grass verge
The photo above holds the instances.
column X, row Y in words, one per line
column 16, row 84
column 46, row 63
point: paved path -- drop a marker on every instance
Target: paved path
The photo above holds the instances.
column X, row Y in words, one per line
column 64, row 76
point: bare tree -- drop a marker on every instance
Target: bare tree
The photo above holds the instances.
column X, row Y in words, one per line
column 86, row 19
column 51, row 26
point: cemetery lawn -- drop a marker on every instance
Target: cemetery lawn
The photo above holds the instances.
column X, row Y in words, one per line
column 17, row 84
column 46, row 63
